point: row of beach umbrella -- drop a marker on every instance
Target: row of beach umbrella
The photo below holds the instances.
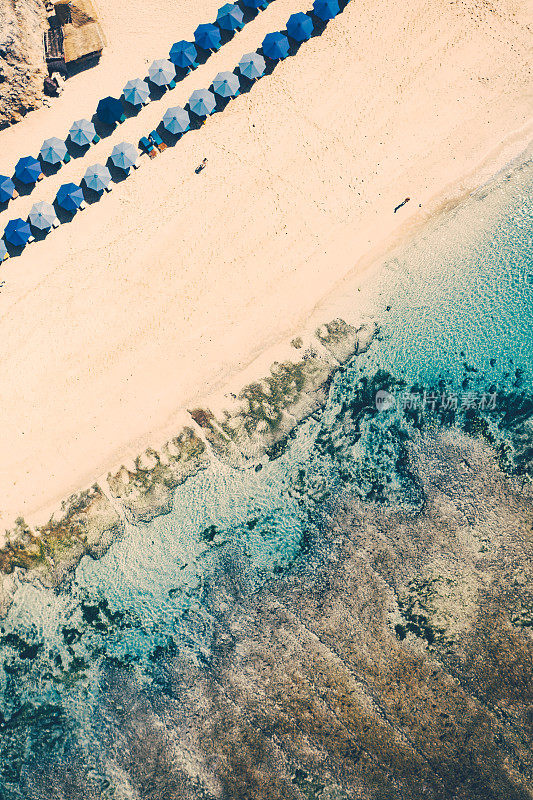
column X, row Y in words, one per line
column 162, row 73
column 70, row 198
column 176, row 120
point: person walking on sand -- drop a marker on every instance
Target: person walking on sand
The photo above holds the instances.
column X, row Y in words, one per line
column 402, row 204
column 201, row 166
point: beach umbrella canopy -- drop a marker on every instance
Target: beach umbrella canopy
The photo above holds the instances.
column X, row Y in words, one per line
column 252, row 65
column 7, row 189
column 3, row 250
column 230, row 17
column 255, row 3
column 183, row 54
column 69, row 197
column 97, row 178
column 176, row 120
column 124, row 155
column 202, row 102
column 326, row 9
column 207, row 36
column 300, row 27
column 275, row 46
column 162, row 72
column 42, row 216
column 136, row 92
column 28, row 169
column 109, row 110
column 53, row 150
column 226, row 84
column 82, row 132
column 17, row 232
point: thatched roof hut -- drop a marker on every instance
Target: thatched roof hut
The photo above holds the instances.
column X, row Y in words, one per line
column 82, row 34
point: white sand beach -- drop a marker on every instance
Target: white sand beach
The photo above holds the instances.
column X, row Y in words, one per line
column 175, row 282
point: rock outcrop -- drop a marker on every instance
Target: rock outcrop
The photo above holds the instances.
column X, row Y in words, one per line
column 86, row 524
column 245, row 428
column 147, row 490
column 22, row 64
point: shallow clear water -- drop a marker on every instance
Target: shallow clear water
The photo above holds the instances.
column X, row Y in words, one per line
column 461, row 309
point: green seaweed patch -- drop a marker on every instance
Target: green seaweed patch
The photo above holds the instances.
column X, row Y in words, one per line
column 29, row 550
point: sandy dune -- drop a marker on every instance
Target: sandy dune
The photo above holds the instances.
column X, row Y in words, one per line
column 175, row 281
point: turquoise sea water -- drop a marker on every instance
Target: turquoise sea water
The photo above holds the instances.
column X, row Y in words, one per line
column 460, row 323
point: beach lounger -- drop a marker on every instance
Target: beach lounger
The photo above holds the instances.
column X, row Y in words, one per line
column 96, row 139
column 56, row 223
column 158, row 141
column 31, row 239
column 41, row 176
column 148, row 146
column 172, row 84
column 122, row 119
column 67, row 158
column 82, row 206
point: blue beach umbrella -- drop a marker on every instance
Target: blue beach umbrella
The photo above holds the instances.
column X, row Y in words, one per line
column 300, row 27
column 124, row 155
column 162, row 72
column 226, row 84
column 7, row 189
column 69, row 197
column 97, row 178
column 136, row 92
column 109, row 110
column 326, row 9
column 3, row 251
column 202, row 102
column 176, row 120
column 230, row 17
column 255, row 3
column 275, row 46
column 53, row 150
column 82, row 132
column 42, row 216
column 207, row 36
column 28, row 170
column 252, row 65
column 17, row 232
column 183, row 54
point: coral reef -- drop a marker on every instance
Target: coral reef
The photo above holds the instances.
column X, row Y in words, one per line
column 392, row 663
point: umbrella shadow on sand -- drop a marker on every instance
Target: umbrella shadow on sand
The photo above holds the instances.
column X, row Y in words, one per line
column 103, row 129
column 14, row 250
column 91, row 196
column 118, row 175
column 50, row 169
column 76, row 150
column 63, row 216
column 196, row 121
column 40, row 236
column 24, row 189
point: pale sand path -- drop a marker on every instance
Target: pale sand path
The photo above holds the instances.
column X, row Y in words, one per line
column 175, row 282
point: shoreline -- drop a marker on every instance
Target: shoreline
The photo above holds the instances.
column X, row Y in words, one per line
column 486, row 174
column 177, row 286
